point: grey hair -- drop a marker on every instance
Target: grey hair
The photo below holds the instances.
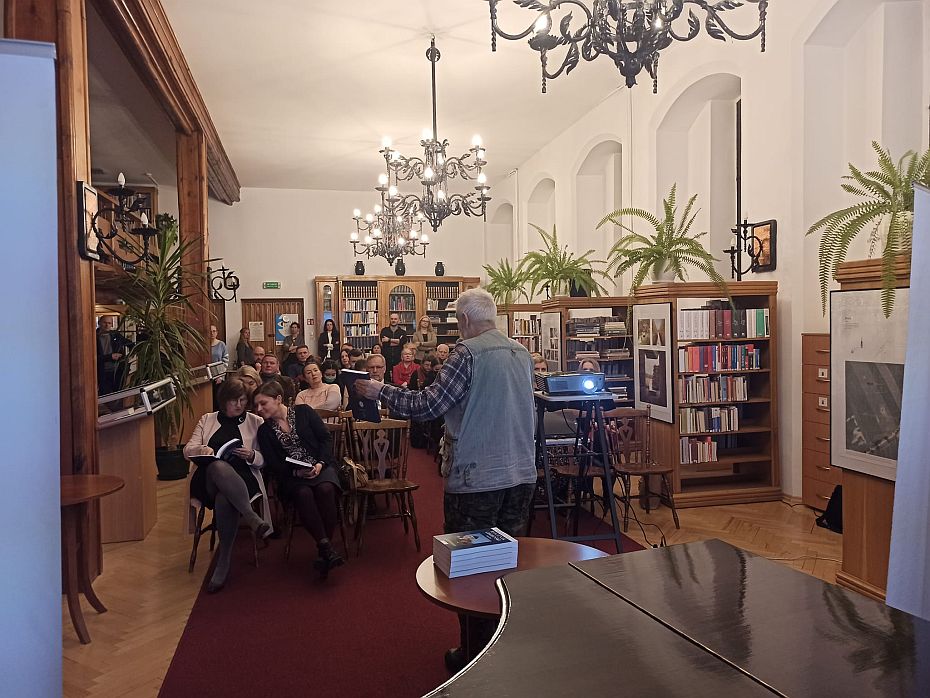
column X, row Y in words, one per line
column 477, row 305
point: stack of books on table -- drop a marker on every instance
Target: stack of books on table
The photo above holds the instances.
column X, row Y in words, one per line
column 474, row 552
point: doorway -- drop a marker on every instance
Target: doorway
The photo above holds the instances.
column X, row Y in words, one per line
column 266, row 311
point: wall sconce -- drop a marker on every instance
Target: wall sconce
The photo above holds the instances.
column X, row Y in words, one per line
column 223, row 284
column 743, row 241
column 128, row 218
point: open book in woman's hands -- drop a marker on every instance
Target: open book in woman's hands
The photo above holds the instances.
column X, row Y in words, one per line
column 223, row 453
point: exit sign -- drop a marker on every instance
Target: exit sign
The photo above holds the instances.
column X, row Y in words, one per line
column 271, row 284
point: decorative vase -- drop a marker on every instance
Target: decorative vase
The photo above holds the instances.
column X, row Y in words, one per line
column 360, row 268
column 575, row 291
column 663, row 271
column 400, row 268
column 171, row 463
column 440, row 269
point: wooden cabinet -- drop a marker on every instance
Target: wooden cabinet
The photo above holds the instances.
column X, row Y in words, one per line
column 818, row 476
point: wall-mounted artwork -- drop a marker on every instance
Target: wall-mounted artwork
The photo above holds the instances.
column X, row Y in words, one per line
column 87, row 209
column 867, row 381
column 652, row 368
column 765, row 233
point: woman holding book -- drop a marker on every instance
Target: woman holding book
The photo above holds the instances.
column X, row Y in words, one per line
column 297, row 448
column 229, row 483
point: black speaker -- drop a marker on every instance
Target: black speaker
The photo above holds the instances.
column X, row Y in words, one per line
column 360, row 268
column 400, row 268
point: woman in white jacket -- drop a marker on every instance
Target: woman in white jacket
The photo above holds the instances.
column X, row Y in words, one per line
column 228, row 485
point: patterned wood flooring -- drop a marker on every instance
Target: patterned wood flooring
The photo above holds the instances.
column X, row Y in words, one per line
column 149, row 594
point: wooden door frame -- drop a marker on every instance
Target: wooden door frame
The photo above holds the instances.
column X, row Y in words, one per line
column 303, row 312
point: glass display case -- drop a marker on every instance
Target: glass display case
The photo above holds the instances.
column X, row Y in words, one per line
column 133, row 403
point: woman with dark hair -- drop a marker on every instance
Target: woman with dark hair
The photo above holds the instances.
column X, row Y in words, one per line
column 344, row 359
column 229, row 486
column 313, row 485
column 320, row 395
column 245, row 355
column 328, row 343
column 294, row 339
column 425, row 374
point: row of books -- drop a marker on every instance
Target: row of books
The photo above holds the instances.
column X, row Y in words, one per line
column 357, row 290
column 531, row 343
column 722, row 323
column 596, row 326
column 713, row 388
column 360, row 317
column 436, row 303
column 719, row 357
column 602, row 346
column 474, row 552
column 533, row 325
column 704, row 449
column 697, row 419
column 361, row 305
column 402, row 303
column 620, row 392
column 442, row 291
column 360, row 330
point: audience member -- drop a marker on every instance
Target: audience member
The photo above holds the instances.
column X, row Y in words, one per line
column 112, row 348
column 299, row 433
column 293, row 340
column 295, row 363
column 228, row 486
column 376, row 349
column 485, row 392
column 320, row 395
column 376, row 367
column 400, row 374
column 328, row 343
column 251, row 378
column 259, row 353
column 442, row 353
column 344, row 360
column 218, row 350
column 272, row 372
column 589, row 366
column 539, row 363
column 393, row 338
column 424, row 339
column 348, row 346
column 362, row 364
column 245, row 356
column 424, row 376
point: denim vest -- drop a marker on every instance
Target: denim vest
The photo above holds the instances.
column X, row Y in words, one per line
column 491, row 430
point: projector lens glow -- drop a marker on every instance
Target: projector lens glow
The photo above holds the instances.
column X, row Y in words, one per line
column 588, row 384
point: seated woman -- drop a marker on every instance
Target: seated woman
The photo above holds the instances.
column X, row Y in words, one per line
column 424, row 376
column 400, row 374
column 228, row 487
column 539, row 363
column 299, row 433
column 249, row 376
column 590, row 366
column 320, row 395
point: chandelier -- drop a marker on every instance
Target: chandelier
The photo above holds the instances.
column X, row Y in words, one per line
column 115, row 224
column 629, row 32
column 435, row 171
column 391, row 231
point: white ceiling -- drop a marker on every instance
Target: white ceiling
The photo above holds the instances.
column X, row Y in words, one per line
column 302, row 92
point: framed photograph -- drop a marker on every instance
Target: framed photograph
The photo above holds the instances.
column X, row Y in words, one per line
column 765, row 232
column 88, row 244
column 652, row 365
column 866, row 381
column 551, row 329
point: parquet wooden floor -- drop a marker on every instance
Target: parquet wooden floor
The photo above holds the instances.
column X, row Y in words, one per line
column 149, row 593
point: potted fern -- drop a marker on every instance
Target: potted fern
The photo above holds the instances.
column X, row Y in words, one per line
column 554, row 266
column 506, row 283
column 666, row 251
column 886, row 206
column 156, row 303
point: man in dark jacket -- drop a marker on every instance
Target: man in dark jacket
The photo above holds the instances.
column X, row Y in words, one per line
column 112, row 347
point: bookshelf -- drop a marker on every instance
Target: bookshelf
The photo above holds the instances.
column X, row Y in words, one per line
column 359, row 314
column 723, row 443
column 524, row 324
column 439, row 295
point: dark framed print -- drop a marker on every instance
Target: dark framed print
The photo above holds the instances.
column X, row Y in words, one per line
column 765, row 233
column 87, row 202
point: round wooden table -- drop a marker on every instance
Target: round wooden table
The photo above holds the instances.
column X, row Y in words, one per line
column 76, row 492
column 476, row 595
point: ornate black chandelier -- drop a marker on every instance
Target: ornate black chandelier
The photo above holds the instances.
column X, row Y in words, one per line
column 390, row 231
column 436, row 169
column 116, row 226
column 629, row 32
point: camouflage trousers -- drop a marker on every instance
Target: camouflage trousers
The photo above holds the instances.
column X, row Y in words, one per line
column 507, row 509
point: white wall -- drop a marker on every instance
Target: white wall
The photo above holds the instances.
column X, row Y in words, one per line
column 291, row 236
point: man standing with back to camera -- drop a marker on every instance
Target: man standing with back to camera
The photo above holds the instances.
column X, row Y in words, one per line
column 488, row 455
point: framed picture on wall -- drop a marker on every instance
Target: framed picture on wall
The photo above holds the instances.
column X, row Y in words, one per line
column 866, row 381
column 765, row 233
column 652, row 365
column 88, row 244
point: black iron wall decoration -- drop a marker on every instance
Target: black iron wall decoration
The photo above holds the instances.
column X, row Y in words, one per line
column 629, row 32
column 122, row 231
column 744, row 242
column 223, row 284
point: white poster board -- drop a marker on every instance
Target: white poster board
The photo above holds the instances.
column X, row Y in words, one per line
column 652, row 360
column 866, row 381
column 909, row 564
column 257, row 331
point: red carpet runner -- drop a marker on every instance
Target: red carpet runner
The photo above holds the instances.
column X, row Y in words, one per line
column 366, row 631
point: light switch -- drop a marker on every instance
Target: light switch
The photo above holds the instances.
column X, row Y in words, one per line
column 823, row 373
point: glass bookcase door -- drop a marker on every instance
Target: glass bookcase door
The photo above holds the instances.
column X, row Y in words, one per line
column 403, row 301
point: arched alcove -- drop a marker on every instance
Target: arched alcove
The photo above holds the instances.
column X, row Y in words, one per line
column 696, row 149
column 863, row 81
column 597, row 192
column 540, row 210
column 499, row 242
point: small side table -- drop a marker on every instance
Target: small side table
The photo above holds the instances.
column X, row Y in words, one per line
column 76, row 492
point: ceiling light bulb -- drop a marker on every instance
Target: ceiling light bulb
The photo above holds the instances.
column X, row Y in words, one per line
column 395, row 155
column 658, row 23
column 353, row 237
column 369, row 218
column 401, row 241
column 420, row 216
column 356, row 213
column 376, row 232
column 476, row 140
column 377, row 208
column 480, row 153
column 428, row 173
column 121, row 180
column 427, row 134
column 413, row 234
column 392, row 191
column 368, row 239
column 145, row 219
column 440, row 160
column 482, row 178
column 425, row 239
column 542, row 24
column 441, row 195
column 386, row 142
column 382, row 179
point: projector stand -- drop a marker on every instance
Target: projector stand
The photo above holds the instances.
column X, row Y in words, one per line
column 592, row 414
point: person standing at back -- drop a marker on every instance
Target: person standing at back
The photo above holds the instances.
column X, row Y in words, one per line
column 393, row 338
column 488, row 456
column 245, row 355
column 294, row 339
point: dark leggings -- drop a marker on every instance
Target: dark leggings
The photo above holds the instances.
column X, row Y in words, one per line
column 231, row 499
column 316, row 507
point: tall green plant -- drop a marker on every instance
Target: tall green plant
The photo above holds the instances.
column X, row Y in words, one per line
column 506, row 283
column 886, row 205
column 156, row 302
column 556, row 267
column 671, row 247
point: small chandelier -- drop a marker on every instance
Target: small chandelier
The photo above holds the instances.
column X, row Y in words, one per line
column 630, row 32
column 223, row 284
column 436, row 169
column 390, row 231
column 129, row 217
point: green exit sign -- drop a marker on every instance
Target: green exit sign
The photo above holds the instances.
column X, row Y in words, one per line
column 271, row 284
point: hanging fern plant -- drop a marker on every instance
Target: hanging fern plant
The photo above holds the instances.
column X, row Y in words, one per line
column 886, row 207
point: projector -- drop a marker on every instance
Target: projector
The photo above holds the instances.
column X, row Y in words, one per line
column 570, row 383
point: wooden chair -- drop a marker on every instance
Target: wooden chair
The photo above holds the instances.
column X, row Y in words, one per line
column 382, row 449
column 629, row 440
column 199, row 529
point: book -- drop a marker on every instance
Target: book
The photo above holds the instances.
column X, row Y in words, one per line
column 363, row 409
column 474, row 552
column 301, row 463
column 223, row 453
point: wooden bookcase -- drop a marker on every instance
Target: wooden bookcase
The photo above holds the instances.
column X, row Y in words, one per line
column 362, row 305
column 746, row 468
column 819, row 476
column 524, row 324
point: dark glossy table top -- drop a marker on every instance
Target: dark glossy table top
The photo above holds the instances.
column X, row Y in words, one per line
column 790, row 631
column 77, row 489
